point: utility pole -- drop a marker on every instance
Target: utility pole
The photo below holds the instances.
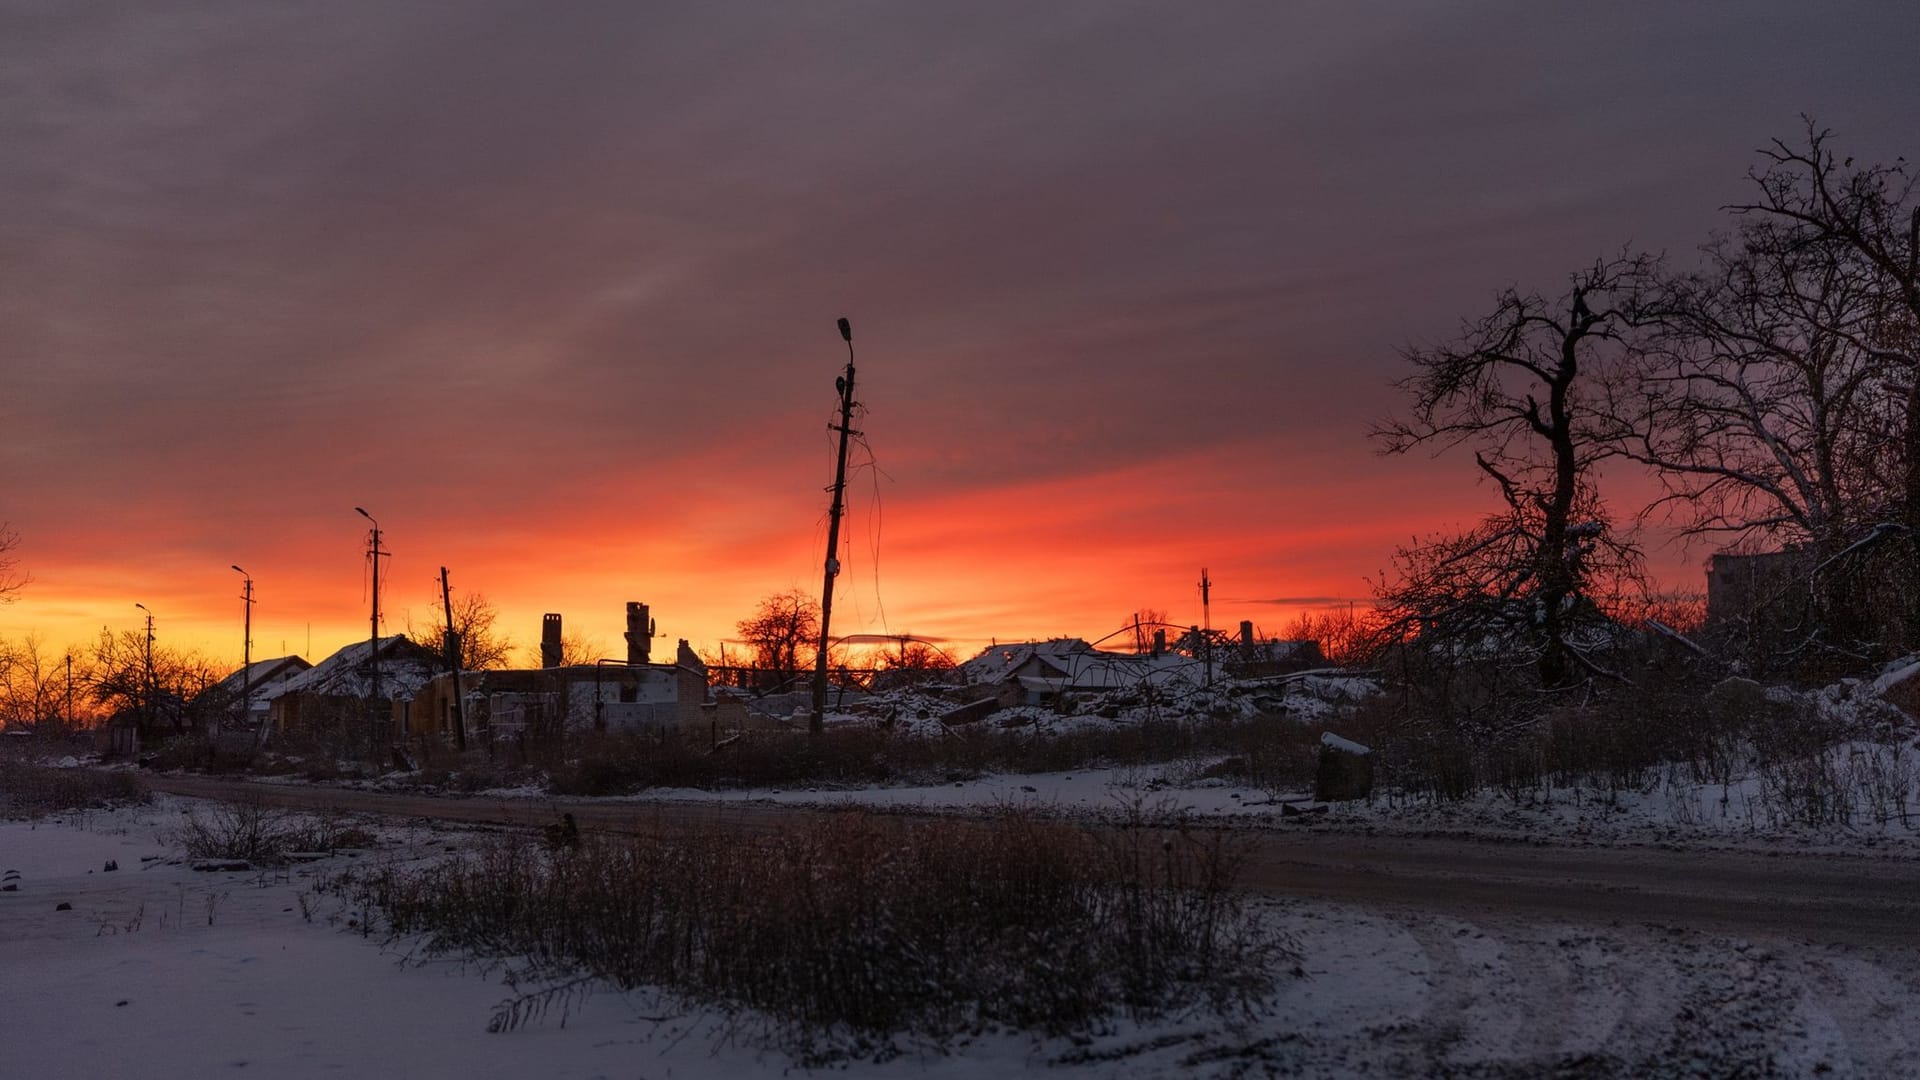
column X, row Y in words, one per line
column 844, row 383
column 69, row 689
column 1206, row 621
column 246, row 650
column 152, row 691
column 453, row 662
column 373, row 637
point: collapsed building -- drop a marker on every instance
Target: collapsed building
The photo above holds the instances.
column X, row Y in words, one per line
column 1042, row 672
column 631, row 696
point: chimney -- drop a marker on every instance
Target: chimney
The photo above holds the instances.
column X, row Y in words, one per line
column 550, row 640
column 639, row 635
column 1159, row 641
column 685, row 657
column 1246, row 632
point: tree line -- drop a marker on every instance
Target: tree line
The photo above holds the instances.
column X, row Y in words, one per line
column 776, row 647
column 172, row 689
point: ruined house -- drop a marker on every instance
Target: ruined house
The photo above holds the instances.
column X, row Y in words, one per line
column 631, row 696
column 335, row 692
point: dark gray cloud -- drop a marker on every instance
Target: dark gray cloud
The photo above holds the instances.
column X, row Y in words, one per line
column 1309, row 601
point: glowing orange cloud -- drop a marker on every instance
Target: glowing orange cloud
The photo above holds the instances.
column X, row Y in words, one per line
column 1031, row 557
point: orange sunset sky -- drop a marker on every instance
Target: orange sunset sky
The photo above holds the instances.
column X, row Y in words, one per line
column 550, row 290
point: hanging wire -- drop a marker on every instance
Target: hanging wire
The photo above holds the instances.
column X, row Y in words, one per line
column 876, row 525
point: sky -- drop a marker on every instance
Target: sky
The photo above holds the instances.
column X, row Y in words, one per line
column 550, row 290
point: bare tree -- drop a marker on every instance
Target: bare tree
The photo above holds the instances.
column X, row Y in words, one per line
column 1141, row 624
column 1344, row 636
column 1779, row 402
column 12, row 578
column 780, row 636
column 483, row 647
column 1517, row 388
column 1866, row 220
column 1756, row 403
column 9, row 667
column 39, row 687
column 158, row 684
column 912, row 661
column 577, row 648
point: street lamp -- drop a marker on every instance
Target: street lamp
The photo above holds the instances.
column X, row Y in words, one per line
column 246, row 649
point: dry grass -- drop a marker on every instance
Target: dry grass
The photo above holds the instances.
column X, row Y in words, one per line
column 1270, row 753
column 28, row 790
column 263, row 835
column 853, row 930
column 1808, row 767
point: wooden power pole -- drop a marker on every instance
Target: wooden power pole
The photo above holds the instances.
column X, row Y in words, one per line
column 453, row 662
column 246, row 649
column 373, row 638
column 817, row 723
column 1206, row 621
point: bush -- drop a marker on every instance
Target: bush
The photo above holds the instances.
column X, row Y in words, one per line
column 846, row 932
column 1620, row 737
column 258, row 834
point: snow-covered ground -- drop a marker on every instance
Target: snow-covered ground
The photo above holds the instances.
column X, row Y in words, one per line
column 159, row 971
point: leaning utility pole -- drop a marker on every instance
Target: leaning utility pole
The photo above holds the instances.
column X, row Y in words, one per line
column 453, row 662
column 818, row 722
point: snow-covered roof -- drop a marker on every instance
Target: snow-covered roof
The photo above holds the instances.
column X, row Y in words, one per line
column 404, row 668
column 997, row 662
column 1096, row 670
column 261, row 674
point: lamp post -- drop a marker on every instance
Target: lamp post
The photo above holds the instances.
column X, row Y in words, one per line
column 148, row 654
column 246, row 649
column 373, row 636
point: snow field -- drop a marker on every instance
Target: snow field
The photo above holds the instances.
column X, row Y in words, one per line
column 164, row 972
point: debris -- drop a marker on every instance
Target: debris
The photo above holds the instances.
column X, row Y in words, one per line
column 970, row 712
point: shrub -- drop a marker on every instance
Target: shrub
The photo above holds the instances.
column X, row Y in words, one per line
column 848, row 931
column 263, row 835
column 32, row 790
column 1271, row 753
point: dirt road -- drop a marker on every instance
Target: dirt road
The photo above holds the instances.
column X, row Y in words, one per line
column 1849, row 899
